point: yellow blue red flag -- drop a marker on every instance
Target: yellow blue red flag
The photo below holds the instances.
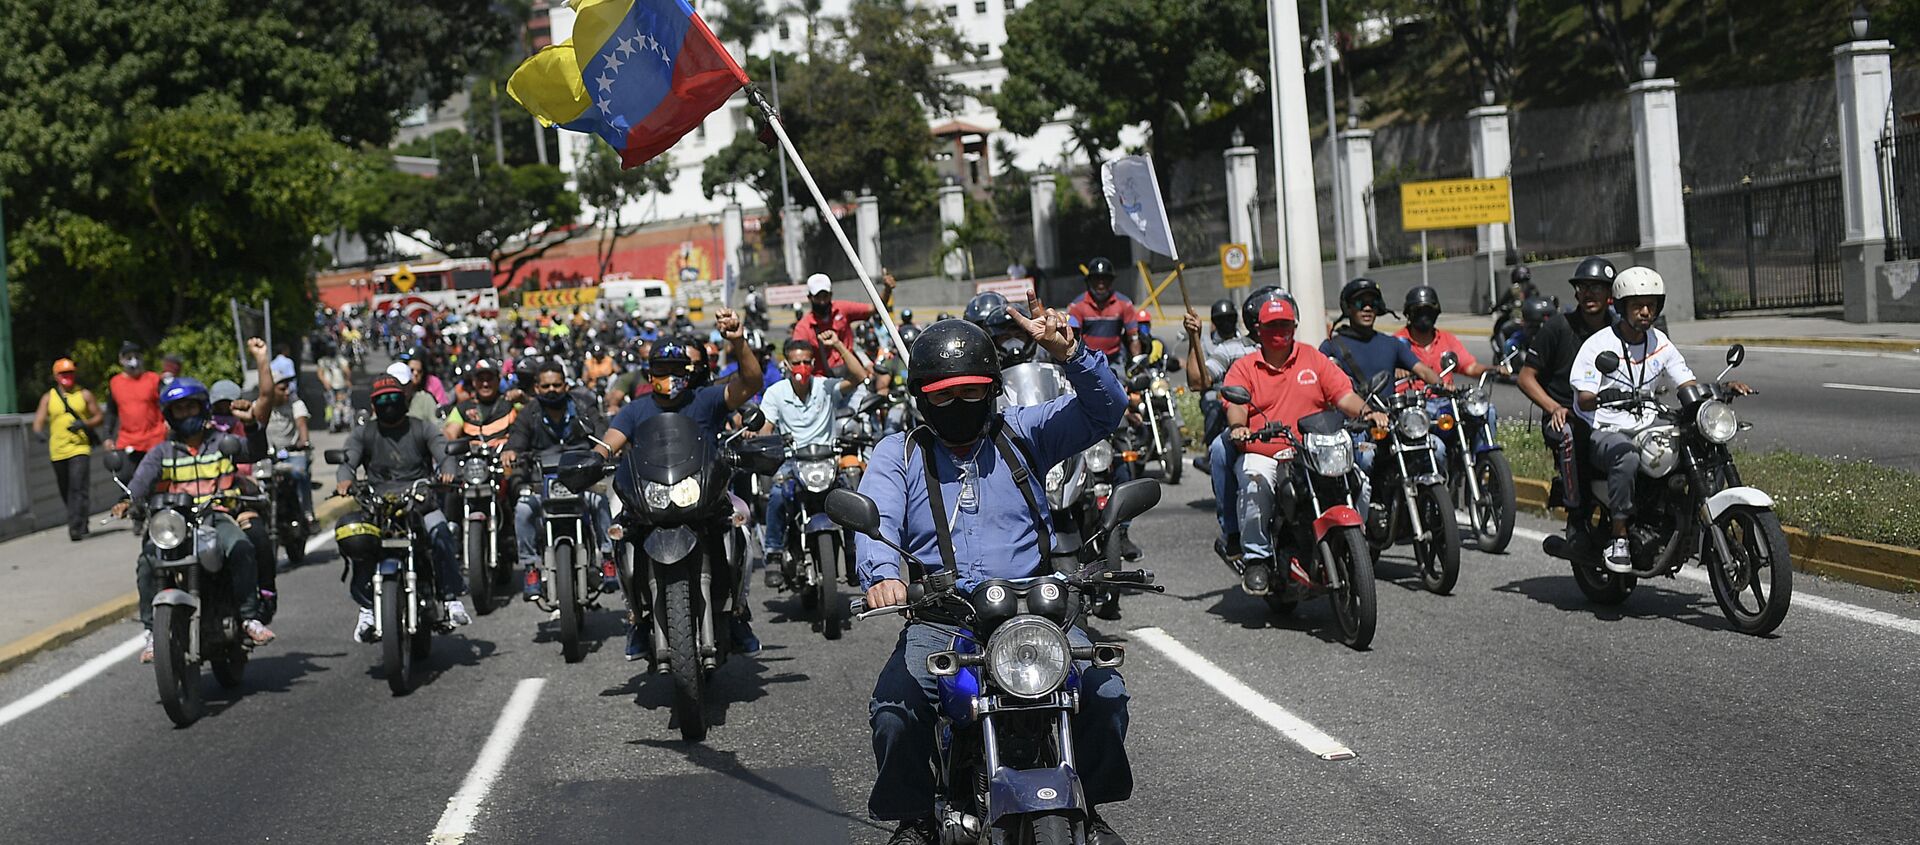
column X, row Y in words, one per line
column 638, row 73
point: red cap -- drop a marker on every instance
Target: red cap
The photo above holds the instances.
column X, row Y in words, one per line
column 385, row 385
column 955, row 381
column 1277, row 309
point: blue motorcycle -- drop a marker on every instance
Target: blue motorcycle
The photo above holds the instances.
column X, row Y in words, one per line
column 1477, row 470
column 1011, row 683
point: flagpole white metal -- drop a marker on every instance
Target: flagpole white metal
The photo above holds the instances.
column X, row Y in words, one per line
column 826, row 211
column 1299, row 221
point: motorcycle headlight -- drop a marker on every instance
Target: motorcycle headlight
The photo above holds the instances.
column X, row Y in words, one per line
column 167, row 529
column 1028, row 657
column 1099, row 458
column 1332, row 454
column 656, row 494
column 1657, row 455
column 475, row 473
column 1475, row 404
column 1413, row 424
column 1159, row 384
column 685, row 493
column 262, row 470
column 1717, row 421
column 1057, row 476
column 816, row 476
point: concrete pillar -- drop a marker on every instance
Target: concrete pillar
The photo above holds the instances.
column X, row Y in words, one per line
column 1492, row 153
column 1657, row 182
column 867, row 219
column 1356, row 154
column 953, row 212
column 733, row 230
column 792, row 232
column 1863, row 75
column 1243, row 185
column 1046, row 244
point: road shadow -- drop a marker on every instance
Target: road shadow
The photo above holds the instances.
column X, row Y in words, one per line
column 1312, row 616
column 597, row 627
column 727, row 763
column 1647, row 601
column 274, row 674
column 1205, row 504
column 740, row 680
column 448, row 651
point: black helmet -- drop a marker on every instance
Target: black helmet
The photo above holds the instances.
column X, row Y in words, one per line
column 1099, row 266
column 1520, row 276
column 952, row 353
column 1595, row 269
column 1250, row 310
column 1422, row 307
column 909, row 334
column 985, row 308
column 1536, row 311
column 357, row 538
column 1363, row 289
column 1225, row 317
column 906, row 315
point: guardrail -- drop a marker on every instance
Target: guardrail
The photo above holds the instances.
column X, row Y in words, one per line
column 29, row 495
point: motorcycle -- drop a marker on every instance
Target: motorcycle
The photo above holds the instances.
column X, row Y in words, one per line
column 1009, row 687
column 570, row 567
column 1411, row 501
column 817, row 553
column 196, row 615
column 1324, row 519
column 287, row 526
column 1152, row 397
column 1689, row 502
column 407, row 609
column 677, row 510
column 1479, row 479
column 487, row 544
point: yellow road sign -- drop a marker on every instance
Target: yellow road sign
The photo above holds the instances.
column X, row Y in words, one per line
column 1453, row 203
column 403, row 279
column 559, row 298
column 1236, row 267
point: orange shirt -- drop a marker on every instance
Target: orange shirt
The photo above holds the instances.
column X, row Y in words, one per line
column 136, row 399
column 1443, row 342
column 1306, row 384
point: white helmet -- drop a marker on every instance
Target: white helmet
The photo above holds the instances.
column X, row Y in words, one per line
column 1639, row 281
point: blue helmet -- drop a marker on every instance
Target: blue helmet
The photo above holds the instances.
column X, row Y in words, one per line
column 185, row 389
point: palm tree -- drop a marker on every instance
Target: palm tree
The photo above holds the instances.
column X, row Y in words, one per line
column 809, row 10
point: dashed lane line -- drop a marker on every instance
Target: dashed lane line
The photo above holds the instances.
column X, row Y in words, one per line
column 456, row 823
column 1314, row 740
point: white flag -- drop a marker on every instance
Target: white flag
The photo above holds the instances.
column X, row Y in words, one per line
column 1133, row 203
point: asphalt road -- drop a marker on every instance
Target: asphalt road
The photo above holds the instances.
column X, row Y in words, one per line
column 1511, row 711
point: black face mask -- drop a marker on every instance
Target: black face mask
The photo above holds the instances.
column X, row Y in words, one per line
column 390, row 413
column 553, row 400
column 1423, row 319
column 956, row 422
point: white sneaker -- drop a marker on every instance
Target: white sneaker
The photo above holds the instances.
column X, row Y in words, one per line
column 458, row 612
column 363, row 629
column 146, row 650
column 1619, row 559
column 257, row 632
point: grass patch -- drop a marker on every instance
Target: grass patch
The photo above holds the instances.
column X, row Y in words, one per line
column 1854, row 499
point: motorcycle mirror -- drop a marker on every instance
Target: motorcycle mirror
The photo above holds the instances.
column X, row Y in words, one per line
column 457, row 448
column 335, row 457
column 114, row 460
column 752, row 417
column 1607, row 363
column 1129, row 500
column 1449, row 361
column 1379, row 382
column 1736, row 355
column 1236, row 394
column 853, row 511
column 231, row 446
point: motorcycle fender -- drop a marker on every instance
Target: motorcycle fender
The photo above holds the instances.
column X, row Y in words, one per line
column 180, row 598
column 670, row 544
column 1731, row 496
column 1032, row 791
column 821, row 522
column 1336, row 516
column 1429, row 478
column 388, row 568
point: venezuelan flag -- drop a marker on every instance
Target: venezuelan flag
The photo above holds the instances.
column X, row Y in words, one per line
column 638, row 73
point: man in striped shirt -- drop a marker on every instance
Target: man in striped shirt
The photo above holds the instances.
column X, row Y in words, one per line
column 1104, row 319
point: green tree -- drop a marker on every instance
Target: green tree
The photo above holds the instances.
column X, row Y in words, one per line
column 474, row 207
column 609, row 189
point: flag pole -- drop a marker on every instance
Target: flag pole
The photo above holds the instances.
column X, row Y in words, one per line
column 859, row 269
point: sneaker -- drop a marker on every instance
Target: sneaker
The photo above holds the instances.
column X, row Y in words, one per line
column 637, row 637
column 776, row 575
column 1109, row 606
column 269, row 604
column 363, row 629
column 1227, row 548
column 1101, row 833
column 1254, row 579
column 744, row 642
column 1202, row 465
column 146, row 650
column 1619, row 557
column 257, row 632
column 457, row 613
column 1128, row 551
column 916, row 832
column 609, row 576
column 531, row 591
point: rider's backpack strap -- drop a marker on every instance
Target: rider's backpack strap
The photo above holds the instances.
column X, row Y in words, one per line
column 943, row 532
column 1009, row 444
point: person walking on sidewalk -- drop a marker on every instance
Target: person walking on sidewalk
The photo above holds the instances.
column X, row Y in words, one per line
column 133, row 410
column 67, row 415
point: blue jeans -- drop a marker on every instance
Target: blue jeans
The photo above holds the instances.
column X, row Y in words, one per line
column 1226, row 485
column 299, row 461
column 904, row 718
column 527, row 514
column 440, row 548
column 779, row 498
column 1444, row 439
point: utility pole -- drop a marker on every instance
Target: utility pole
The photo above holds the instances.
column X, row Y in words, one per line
column 9, row 393
column 1299, row 224
column 1334, row 170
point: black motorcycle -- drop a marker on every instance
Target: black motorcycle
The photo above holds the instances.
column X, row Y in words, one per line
column 1152, row 396
column 487, row 543
column 1005, row 758
column 287, row 526
column 817, row 553
column 407, row 608
column 1689, row 502
column 569, row 569
column 1411, row 502
column 686, row 578
column 1481, row 481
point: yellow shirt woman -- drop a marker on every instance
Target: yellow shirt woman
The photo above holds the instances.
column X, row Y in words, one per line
column 64, row 440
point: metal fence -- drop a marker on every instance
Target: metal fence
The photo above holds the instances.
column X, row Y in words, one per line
column 1899, row 154
column 908, row 249
column 1199, row 228
column 1394, row 245
column 1575, row 208
column 1766, row 243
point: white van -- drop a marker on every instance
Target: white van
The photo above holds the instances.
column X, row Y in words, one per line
column 653, row 298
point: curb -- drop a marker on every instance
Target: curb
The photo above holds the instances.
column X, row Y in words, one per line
column 1862, row 562
column 1869, row 344
column 67, row 630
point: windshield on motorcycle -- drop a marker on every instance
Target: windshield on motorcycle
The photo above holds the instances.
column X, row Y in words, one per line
column 1033, row 384
column 665, row 449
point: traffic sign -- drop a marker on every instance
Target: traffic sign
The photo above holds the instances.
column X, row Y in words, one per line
column 1454, row 203
column 403, row 279
column 1236, row 268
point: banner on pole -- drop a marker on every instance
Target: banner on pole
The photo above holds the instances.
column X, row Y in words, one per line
column 1236, row 267
column 1454, row 203
column 1015, row 290
column 1134, row 205
column 786, row 294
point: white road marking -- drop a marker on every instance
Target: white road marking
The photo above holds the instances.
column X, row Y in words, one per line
column 67, row 683
column 1855, row 612
column 1795, row 350
column 1314, row 740
column 1871, row 387
column 318, row 540
column 457, row 822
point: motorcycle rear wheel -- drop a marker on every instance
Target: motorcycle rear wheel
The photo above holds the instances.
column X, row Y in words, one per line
column 1355, row 612
column 1439, row 557
column 683, row 658
column 1601, row 586
column 230, row 670
column 1756, row 594
column 396, row 645
column 833, row 609
column 294, row 542
column 479, row 578
column 1173, row 455
column 566, row 597
column 178, row 678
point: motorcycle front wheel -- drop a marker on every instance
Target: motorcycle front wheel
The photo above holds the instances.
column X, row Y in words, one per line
column 1046, row 829
column 566, row 592
column 683, row 658
column 833, row 609
column 1173, row 455
column 1755, row 588
column 479, row 555
column 396, row 645
column 178, row 677
column 1354, row 610
column 294, row 542
column 1438, row 556
column 1491, row 516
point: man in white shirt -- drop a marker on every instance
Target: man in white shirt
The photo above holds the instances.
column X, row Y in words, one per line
column 801, row 408
column 1647, row 358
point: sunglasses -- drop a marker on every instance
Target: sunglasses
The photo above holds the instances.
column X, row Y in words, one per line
column 963, row 393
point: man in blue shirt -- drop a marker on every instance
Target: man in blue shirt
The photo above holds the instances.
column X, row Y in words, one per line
column 954, row 377
column 1363, row 352
column 800, row 407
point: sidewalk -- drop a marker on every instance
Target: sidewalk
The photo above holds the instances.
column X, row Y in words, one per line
column 1810, row 332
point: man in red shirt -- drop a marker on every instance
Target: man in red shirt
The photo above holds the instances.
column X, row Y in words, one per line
column 1105, row 319
column 1286, row 381
column 837, row 315
column 133, row 410
column 1430, row 343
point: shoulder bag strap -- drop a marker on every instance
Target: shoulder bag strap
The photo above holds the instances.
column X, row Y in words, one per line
column 1007, row 443
column 943, row 532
